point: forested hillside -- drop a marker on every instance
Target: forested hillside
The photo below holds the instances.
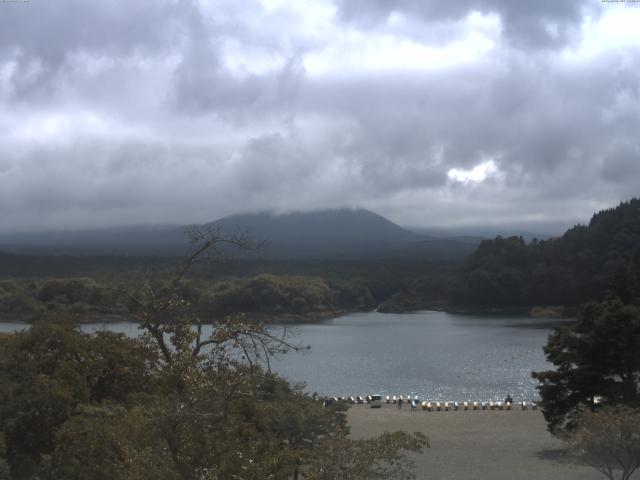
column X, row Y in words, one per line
column 260, row 295
column 586, row 263
column 32, row 286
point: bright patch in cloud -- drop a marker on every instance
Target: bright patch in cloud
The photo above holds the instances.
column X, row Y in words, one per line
column 615, row 30
column 244, row 60
column 391, row 47
column 387, row 52
column 477, row 174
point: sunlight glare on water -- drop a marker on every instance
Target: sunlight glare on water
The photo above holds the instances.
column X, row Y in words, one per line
column 434, row 355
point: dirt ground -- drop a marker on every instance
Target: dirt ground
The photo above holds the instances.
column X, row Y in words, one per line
column 475, row 445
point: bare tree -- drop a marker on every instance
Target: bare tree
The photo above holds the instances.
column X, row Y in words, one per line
column 609, row 441
column 173, row 321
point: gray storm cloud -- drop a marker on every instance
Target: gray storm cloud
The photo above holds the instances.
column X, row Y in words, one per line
column 169, row 112
column 530, row 25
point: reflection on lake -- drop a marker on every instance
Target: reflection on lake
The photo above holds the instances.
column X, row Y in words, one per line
column 434, row 355
column 431, row 354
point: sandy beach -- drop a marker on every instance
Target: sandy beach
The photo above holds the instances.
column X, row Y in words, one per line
column 475, row 445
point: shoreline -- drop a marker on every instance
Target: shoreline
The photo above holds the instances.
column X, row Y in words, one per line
column 280, row 318
column 307, row 318
column 550, row 311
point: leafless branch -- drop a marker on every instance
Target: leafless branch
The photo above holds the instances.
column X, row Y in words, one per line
column 205, row 243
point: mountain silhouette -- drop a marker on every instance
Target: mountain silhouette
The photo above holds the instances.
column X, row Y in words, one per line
column 350, row 233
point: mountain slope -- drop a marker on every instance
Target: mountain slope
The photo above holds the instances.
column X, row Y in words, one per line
column 156, row 240
column 345, row 233
column 338, row 228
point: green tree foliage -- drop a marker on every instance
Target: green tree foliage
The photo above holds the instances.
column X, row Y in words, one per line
column 595, row 357
column 586, row 263
column 427, row 291
column 29, row 300
column 174, row 404
column 261, row 294
column 5, row 470
column 109, row 442
column 609, row 441
column 51, row 369
column 275, row 294
column 270, row 294
column 19, row 299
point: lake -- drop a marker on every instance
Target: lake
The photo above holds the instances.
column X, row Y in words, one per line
column 435, row 355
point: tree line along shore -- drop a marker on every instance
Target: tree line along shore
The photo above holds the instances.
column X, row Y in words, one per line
column 503, row 276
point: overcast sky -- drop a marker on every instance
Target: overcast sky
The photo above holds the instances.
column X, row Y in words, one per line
column 430, row 112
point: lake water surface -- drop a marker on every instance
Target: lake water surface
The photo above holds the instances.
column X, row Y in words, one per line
column 435, row 355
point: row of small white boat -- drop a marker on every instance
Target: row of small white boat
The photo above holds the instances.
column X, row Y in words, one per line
column 440, row 406
column 455, row 406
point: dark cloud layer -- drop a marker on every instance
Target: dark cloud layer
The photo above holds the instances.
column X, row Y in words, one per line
column 114, row 112
column 542, row 23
